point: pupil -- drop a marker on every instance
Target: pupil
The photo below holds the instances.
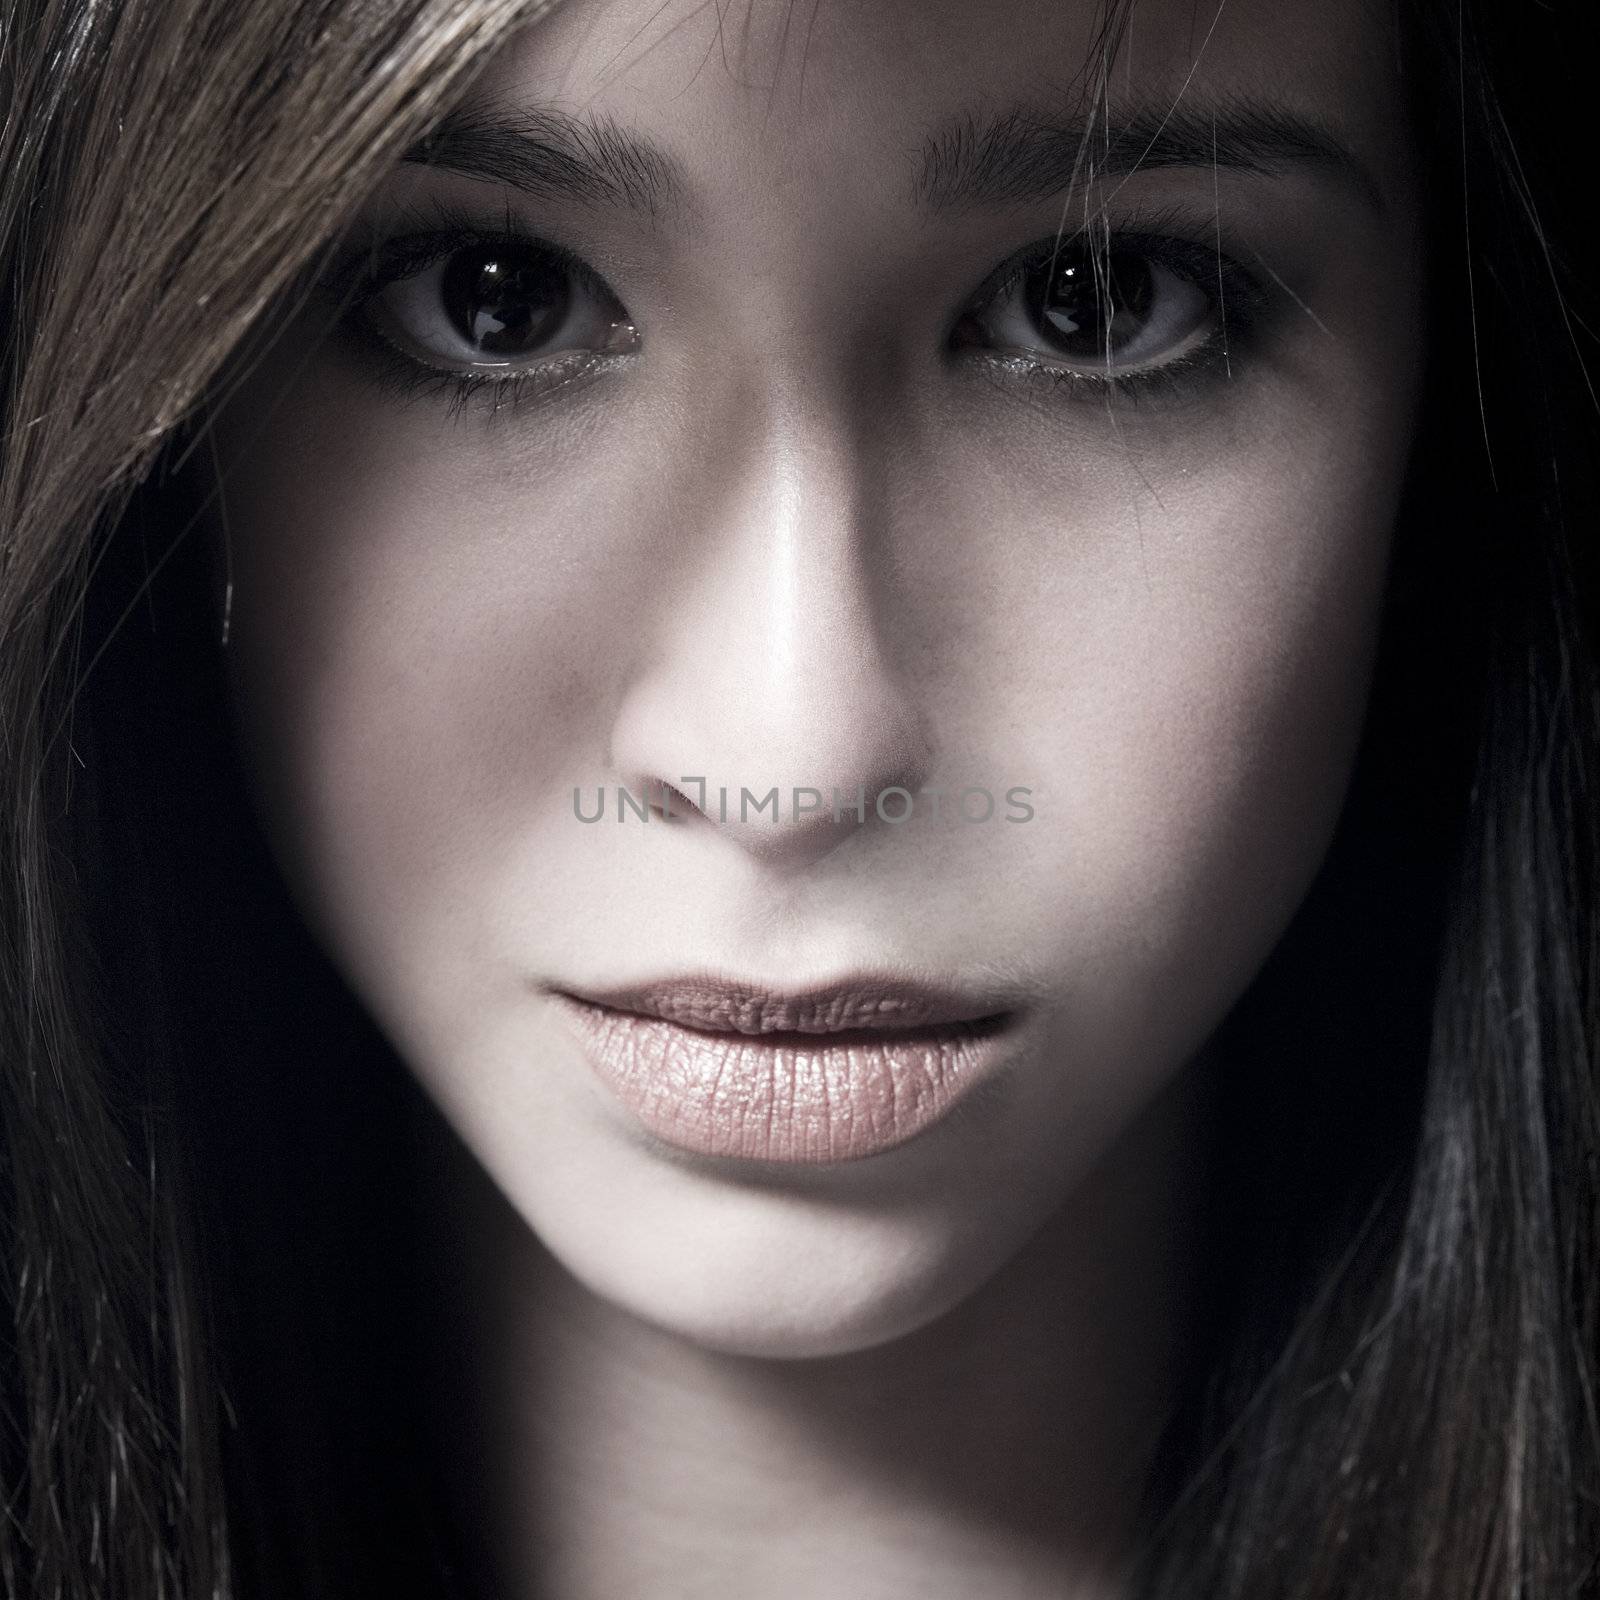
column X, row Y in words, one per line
column 504, row 302
column 1089, row 309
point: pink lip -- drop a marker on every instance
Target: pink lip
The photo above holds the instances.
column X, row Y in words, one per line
column 832, row 1073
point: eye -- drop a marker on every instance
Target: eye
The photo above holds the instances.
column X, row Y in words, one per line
column 1104, row 311
column 496, row 304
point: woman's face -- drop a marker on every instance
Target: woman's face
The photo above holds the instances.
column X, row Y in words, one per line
column 759, row 396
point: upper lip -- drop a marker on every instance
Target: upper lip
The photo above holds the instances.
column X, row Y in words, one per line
column 862, row 1002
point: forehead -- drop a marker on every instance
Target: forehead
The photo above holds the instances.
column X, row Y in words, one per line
column 853, row 92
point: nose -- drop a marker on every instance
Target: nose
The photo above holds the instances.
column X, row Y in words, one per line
column 769, row 664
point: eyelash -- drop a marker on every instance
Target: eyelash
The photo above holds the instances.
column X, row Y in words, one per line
column 1240, row 304
column 360, row 274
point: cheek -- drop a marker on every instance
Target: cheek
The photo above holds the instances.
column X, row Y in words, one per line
column 410, row 676
column 1196, row 653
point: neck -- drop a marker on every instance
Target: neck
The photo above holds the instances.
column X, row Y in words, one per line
column 1001, row 1449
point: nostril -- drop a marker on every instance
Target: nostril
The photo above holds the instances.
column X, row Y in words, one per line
column 669, row 801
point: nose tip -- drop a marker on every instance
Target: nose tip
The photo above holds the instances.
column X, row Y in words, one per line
column 784, row 825
column 784, row 790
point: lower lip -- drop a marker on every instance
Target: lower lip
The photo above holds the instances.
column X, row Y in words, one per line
column 789, row 1097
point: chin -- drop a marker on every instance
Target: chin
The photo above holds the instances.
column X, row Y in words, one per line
column 764, row 1273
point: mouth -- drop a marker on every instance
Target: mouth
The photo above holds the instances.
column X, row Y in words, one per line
column 836, row 1072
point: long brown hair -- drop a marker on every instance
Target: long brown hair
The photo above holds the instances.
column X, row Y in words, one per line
column 164, row 169
column 1393, row 1388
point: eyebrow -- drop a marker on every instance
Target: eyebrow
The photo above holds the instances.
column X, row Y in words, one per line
column 969, row 161
column 552, row 155
column 1025, row 154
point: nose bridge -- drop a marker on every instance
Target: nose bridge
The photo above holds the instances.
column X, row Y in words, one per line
column 770, row 662
column 811, row 557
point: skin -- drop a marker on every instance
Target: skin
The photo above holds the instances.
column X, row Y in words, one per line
column 795, row 536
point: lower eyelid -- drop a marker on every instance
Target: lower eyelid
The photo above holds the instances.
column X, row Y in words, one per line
column 512, row 389
column 1186, row 377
